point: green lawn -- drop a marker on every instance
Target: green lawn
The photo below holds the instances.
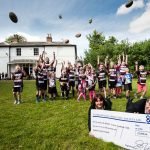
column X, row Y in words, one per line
column 61, row 124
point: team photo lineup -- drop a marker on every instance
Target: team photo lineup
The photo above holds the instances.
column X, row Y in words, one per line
column 79, row 80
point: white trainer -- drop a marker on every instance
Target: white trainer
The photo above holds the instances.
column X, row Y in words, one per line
column 15, row 102
column 18, row 102
column 141, row 97
column 135, row 95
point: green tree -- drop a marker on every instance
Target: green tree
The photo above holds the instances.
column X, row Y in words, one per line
column 18, row 38
column 102, row 47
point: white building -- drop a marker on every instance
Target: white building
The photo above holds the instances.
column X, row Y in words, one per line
column 25, row 54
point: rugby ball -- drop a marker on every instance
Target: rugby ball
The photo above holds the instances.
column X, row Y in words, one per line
column 129, row 3
column 78, row 35
column 60, row 16
column 90, row 21
column 66, row 41
column 13, row 17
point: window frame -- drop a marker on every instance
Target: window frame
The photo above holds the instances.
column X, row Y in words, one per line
column 18, row 51
column 36, row 51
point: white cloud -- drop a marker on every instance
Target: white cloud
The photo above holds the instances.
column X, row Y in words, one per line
column 141, row 23
column 122, row 10
column 32, row 37
column 26, row 35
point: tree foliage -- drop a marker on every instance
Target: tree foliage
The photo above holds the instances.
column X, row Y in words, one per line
column 112, row 47
column 17, row 37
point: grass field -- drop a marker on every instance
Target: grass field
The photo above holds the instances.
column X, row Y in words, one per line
column 60, row 124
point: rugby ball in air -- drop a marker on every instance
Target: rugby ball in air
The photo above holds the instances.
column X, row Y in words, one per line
column 13, row 17
column 129, row 3
column 60, row 16
column 78, row 35
column 66, row 41
column 90, row 21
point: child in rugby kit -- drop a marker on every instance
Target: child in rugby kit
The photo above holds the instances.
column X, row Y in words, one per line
column 141, row 84
column 50, row 67
column 119, row 85
column 17, row 77
column 128, row 83
column 112, row 80
column 64, row 84
column 91, row 83
column 52, row 85
column 71, row 73
column 82, row 78
column 81, row 91
column 39, row 82
column 101, row 75
column 45, row 78
column 76, row 76
column 122, row 65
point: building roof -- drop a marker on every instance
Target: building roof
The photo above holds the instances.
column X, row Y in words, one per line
column 31, row 44
column 22, row 61
column 4, row 44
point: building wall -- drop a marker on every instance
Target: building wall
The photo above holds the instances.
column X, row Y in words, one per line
column 26, row 53
column 4, row 59
column 63, row 53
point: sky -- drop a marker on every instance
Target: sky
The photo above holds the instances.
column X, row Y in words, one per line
column 37, row 18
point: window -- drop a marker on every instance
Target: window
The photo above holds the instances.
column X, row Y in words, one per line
column 18, row 51
column 36, row 51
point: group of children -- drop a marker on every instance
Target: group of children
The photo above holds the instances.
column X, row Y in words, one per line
column 82, row 79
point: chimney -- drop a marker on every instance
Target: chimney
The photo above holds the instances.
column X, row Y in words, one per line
column 15, row 39
column 49, row 38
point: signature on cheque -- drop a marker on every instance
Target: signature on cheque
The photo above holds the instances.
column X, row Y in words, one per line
column 141, row 145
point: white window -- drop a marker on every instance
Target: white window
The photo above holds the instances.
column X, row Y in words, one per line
column 36, row 51
column 18, row 51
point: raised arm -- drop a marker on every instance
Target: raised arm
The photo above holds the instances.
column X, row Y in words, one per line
column 123, row 57
column 119, row 60
column 90, row 65
column 54, row 57
column 126, row 59
column 106, row 61
column 41, row 59
column 63, row 66
column 98, row 60
column 136, row 66
column 55, row 63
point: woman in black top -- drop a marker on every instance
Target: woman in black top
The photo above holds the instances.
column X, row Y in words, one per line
column 99, row 102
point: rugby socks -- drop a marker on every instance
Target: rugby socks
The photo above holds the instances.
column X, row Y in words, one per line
column 37, row 98
column 73, row 92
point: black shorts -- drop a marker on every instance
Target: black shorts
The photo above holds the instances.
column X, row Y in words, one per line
column 91, row 88
column 45, row 85
column 17, row 89
column 64, row 87
column 128, row 87
column 112, row 84
column 40, row 86
column 72, row 83
column 102, row 84
column 52, row 90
